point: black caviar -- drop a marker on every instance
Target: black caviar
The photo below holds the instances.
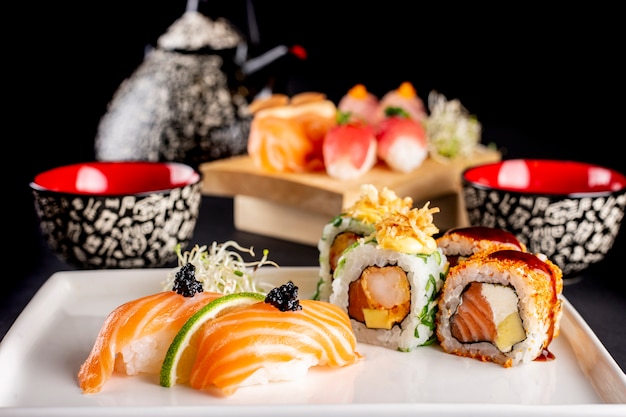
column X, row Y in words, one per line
column 284, row 298
column 185, row 282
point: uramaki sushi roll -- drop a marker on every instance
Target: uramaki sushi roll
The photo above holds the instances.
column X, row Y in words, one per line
column 389, row 282
column 504, row 307
column 461, row 242
column 356, row 222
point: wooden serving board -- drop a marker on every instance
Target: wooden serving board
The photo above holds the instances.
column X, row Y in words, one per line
column 296, row 207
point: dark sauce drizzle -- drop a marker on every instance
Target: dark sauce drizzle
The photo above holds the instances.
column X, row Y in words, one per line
column 545, row 356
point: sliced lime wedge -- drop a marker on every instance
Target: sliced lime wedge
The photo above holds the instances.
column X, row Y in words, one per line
column 182, row 352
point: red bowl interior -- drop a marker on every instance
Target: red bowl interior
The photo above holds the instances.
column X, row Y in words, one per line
column 546, row 177
column 115, row 178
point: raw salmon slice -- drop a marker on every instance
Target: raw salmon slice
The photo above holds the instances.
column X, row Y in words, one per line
column 259, row 343
column 488, row 313
column 135, row 336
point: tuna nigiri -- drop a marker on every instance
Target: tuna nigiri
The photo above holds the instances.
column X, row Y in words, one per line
column 360, row 104
column 266, row 342
column 135, row 336
column 349, row 149
column 406, row 98
column 402, row 141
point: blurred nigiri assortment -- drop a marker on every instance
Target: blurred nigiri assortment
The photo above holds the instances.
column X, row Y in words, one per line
column 309, row 133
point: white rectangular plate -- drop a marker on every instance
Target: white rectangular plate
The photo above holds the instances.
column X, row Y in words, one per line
column 41, row 354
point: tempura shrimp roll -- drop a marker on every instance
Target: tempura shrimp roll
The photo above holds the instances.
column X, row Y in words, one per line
column 357, row 221
column 504, row 307
column 389, row 282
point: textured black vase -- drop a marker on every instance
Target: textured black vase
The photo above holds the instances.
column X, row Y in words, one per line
column 180, row 104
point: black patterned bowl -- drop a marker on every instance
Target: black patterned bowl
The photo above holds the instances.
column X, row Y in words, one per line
column 105, row 215
column 569, row 211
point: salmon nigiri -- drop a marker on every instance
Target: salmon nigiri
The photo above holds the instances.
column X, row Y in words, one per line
column 288, row 138
column 135, row 336
column 265, row 342
column 278, row 144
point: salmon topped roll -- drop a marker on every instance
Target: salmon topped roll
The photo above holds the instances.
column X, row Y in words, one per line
column 272, row 340
column 462, row 242
column 389, row 282
column 355, row 222
column 503, row 306
column 135, row 336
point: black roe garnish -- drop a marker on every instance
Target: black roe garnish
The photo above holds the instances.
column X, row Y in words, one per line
column 185, row 282
column 284, row 298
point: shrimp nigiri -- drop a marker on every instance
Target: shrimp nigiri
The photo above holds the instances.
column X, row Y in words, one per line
column 135, row 336
column 266, row 342
column 360, row 103
column 406, row 98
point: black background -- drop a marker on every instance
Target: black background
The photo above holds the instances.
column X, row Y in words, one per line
column 544, row 82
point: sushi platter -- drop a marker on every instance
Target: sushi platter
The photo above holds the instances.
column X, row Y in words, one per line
column 296, row 206
column 41, row 353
